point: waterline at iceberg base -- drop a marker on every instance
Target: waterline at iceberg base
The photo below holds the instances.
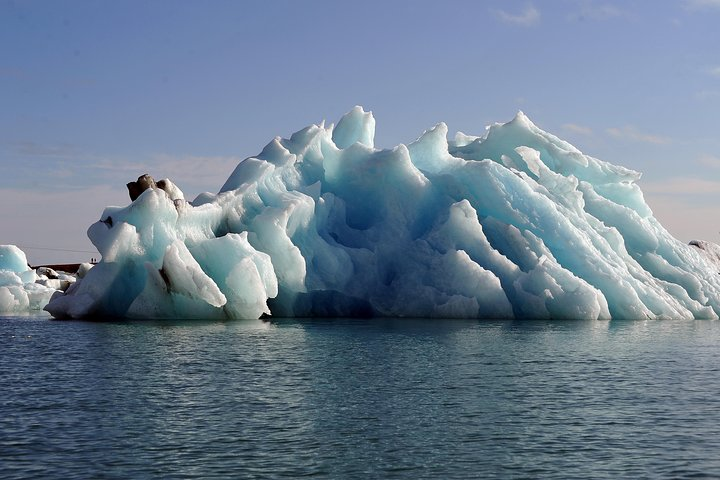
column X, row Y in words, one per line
column 514, row 224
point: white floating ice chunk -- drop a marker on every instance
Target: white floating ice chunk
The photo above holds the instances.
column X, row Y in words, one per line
column 19, row 292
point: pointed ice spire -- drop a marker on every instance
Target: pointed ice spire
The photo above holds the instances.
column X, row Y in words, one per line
column 355, row 126
column 430, row 151
column 522, row 119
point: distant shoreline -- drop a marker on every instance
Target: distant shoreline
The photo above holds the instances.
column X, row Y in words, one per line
column 63, row 267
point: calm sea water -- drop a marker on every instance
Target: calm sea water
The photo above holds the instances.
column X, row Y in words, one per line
column 359, row 399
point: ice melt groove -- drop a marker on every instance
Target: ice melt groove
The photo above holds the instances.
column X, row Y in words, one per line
column 516, row 223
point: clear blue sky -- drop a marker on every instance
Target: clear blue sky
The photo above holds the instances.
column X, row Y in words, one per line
column 95, row 93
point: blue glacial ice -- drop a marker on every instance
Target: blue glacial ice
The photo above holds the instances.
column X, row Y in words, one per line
column 516, row 223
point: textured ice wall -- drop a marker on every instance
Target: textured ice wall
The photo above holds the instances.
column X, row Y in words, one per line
column 20, row 291
column 516, row 223
column 710, row 251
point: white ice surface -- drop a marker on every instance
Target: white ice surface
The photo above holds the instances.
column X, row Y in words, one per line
column 710, row 251
column 513, row 224
column 19, row 292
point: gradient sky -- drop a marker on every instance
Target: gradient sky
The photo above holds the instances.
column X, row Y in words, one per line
column 95, row 93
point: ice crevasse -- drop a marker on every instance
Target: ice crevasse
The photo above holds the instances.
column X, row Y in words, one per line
column 516, row 223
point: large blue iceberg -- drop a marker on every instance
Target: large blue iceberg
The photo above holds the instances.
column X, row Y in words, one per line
column 516, row 223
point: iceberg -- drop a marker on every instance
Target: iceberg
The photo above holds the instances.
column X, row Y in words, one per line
column 515, row 223
column 23, row 289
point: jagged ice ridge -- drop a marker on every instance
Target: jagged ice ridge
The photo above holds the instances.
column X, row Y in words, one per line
column 514, row 224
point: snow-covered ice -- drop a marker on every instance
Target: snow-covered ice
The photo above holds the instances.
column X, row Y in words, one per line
column 515, row 223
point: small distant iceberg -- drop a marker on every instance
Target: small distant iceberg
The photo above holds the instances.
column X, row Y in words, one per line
column 23, row 289
column 515, row 223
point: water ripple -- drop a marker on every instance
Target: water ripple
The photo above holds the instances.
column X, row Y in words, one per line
column 359, row 399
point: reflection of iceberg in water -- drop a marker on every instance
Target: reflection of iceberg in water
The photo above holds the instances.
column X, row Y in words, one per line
column 517, row 223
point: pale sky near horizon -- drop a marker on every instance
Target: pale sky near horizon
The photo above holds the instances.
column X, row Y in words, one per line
column 95, row 93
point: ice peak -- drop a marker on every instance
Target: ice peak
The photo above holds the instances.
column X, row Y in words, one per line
column 356, row 126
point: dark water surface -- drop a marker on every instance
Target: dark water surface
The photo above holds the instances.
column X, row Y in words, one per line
column 359, row 399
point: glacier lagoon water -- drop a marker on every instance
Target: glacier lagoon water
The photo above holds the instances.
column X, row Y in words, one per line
column 359, row 399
